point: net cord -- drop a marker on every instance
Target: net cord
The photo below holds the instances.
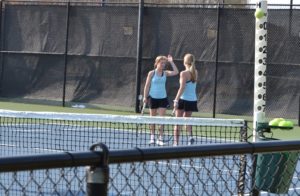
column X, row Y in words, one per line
column 123, row 118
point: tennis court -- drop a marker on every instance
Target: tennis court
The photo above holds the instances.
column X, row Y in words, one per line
column 76, row 132
column 40, row 132
column 49, row 65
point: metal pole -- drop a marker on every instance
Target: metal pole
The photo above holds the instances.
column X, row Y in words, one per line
column 260, row 66
column 2, row 44
column 66, row 54
column 97, row 177
column 255, row 192
column 299, row 113
column 243, row 162
column 217, row 59
column 139, row 56
column 102, row 3
column 290, row 16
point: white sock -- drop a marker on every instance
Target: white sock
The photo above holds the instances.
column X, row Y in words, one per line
column 152, row 137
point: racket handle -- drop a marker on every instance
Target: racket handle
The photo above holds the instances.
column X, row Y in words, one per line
column 143, row 109
column 173, row 112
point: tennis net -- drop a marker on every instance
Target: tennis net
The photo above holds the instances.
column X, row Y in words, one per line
column 25, row 132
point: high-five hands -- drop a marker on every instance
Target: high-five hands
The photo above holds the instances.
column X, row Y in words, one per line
column 170, row 58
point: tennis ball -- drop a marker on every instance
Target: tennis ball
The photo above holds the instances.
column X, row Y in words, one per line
column 259, row 13
column 275, row 122
column 286, row 124
column 290, row 123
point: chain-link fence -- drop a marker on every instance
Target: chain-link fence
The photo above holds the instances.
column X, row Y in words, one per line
column 223, row 169
column 87, row 52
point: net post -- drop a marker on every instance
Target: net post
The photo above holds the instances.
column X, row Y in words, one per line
column 261, row 14
column 97, row 177
column 299, row 113
column 260, row 64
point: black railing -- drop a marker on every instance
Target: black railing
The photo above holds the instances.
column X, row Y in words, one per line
column 100, row 161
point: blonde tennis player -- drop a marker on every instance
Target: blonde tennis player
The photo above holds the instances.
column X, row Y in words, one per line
column 185, row 102
column 155, row 94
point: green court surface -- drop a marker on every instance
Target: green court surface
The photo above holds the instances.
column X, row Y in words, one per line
column 290, row 134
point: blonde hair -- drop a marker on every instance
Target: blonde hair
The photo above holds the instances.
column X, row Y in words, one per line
column 189, row 60
column 159, row 59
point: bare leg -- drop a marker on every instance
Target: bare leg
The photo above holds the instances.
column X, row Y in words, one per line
column 161, row 112
column 177, row 128
column 188, row 127
column 153, row 112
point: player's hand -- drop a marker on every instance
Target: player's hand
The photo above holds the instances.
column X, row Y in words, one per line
column 170, row 58
column 175, row 105
column 145, row 100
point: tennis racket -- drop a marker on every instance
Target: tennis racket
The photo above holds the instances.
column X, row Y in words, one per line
column 173, row 112
column 143, row 109
column 138, row 131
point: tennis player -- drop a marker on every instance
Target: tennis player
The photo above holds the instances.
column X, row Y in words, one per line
column 155, row 94
column 185, row 102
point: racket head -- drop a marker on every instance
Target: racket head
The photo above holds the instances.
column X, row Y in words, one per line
column 140, row 97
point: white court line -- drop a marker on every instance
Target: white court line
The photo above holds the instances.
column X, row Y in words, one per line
column 41, row 149
column 189, row 166
column 43, row 128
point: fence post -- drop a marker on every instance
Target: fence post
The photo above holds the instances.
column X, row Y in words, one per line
column 139, row 55
column 97, row 177
column 216, row 63
column 2, row 19
column 66, row 54
column 243, row 161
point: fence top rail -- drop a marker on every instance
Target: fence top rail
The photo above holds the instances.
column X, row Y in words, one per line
column 147, row 4
column 94, row 158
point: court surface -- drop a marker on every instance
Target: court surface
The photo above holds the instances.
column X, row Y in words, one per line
column 208, row 176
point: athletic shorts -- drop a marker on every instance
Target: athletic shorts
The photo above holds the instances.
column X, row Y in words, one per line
column 187, row 106
column 158, row 103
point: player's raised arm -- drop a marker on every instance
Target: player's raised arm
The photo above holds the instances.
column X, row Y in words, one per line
column 174, row 70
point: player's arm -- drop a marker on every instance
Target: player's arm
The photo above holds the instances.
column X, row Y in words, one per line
column 182, row 82
column 174, row 70
column 147, row 86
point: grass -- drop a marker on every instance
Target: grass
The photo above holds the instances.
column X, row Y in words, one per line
column 104, row 109
column 54, row 108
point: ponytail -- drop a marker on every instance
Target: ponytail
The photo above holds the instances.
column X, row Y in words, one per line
column 193, row 73
column 189, row 59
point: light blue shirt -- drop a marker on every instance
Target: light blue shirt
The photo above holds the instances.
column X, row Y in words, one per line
column 189, row 93
column 158, row 86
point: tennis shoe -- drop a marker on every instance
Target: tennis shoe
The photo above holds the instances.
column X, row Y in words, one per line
column 191, row 141
column 152, row 141
column 175, row 144
column 160, row 142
